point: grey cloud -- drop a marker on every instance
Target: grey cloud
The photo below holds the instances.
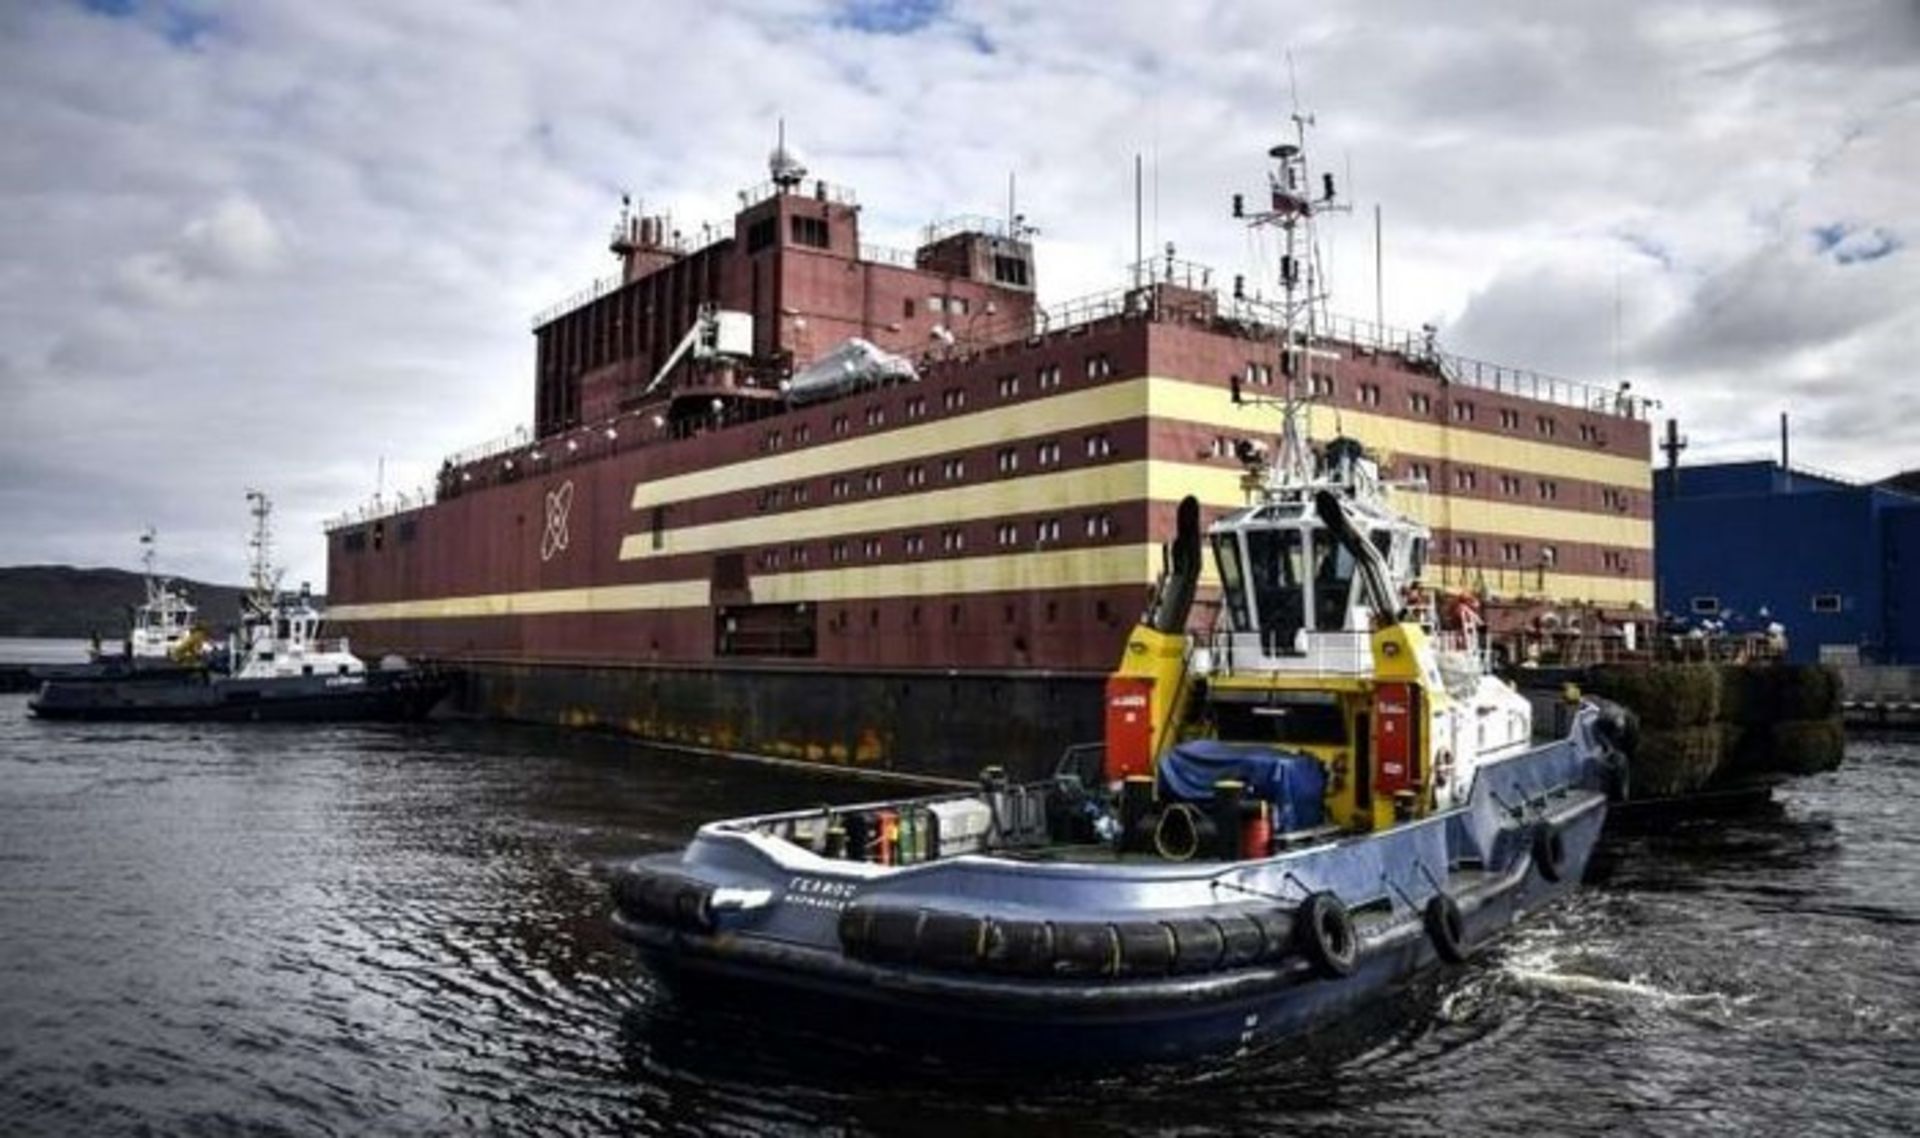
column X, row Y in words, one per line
column 338, row 216
column 234, row 240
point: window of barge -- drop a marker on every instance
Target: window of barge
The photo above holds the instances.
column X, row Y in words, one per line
column 810, row 231
column 760, row 235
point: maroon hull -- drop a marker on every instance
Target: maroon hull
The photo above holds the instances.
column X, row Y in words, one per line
column 889, row 576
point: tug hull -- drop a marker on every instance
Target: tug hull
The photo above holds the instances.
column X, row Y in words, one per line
column 201, row 696
column 1522, row 840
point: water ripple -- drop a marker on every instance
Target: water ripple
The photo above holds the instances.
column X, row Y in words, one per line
column 365, row 930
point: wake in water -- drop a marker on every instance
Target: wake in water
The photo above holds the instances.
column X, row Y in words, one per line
column 1581, row 957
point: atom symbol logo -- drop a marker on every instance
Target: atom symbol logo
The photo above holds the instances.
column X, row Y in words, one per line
column 559, row 504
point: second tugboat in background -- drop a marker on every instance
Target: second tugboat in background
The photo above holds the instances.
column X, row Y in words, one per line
column 1294, row 811
column 276, row 666
column 160, row 637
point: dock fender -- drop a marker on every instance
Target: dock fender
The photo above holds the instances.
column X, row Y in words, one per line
column 1616, row 729
column 1550, row 851
column 1446, row 927
column 1327, row 936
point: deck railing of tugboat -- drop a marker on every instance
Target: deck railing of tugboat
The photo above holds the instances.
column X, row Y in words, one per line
column 1326, row 653
column 336, row 646
column 1460, row 643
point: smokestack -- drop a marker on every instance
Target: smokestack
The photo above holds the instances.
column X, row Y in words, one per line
column 1784, row 465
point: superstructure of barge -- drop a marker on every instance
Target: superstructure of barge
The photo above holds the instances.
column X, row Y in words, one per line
column 790, row 494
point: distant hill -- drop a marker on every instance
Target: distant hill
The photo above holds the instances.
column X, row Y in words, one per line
column 64, row 602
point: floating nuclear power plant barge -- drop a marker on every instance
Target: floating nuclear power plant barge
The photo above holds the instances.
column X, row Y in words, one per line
column 793, row 495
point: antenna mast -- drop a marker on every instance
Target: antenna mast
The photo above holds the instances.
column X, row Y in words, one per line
column 264, row 579
column 147, row 540
column 1294, row 201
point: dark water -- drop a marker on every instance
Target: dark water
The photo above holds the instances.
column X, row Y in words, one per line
column 400, row 930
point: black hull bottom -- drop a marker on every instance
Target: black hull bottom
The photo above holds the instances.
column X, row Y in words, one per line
column 912, row 723
column 383, row 697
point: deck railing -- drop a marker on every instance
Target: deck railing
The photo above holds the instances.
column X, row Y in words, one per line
column 888, row 255
column 984, row 334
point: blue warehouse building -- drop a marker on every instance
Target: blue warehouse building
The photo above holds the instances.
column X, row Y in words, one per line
column 1834, row 562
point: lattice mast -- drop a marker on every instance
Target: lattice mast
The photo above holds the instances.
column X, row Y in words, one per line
column 263, row 578
column 1293, row 206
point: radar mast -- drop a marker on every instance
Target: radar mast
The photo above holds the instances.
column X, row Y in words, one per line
column 263, row 578
column 1293, row 202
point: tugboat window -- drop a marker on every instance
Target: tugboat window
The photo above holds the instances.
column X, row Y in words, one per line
column 1294, row 723
column 1277, row 571
column 1226, row 551
column 1332, row 582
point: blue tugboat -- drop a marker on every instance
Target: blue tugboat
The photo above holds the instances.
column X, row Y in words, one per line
column 277, row 667
column 1293, row 812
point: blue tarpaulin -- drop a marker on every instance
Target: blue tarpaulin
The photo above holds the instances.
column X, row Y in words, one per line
column 1294, row 783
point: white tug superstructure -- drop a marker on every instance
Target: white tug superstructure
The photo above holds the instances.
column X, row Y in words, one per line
column 280, row 634
column 1311, row 570
column 1298, row 615
column 163, row 624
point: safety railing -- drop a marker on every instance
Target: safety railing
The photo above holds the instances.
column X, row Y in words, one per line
column 888, row 255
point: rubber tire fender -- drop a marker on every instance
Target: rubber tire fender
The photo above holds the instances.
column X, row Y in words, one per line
column 1327, row 936
column 1550, row 851
column 1446, row 928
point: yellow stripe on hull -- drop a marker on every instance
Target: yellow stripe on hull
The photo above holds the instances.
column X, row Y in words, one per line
column 1170, row 399
column 602, row 598
column 1014, row 572
column 1557, row 588
column 1095, row 487
column 1403, row 438
column 1086, row 488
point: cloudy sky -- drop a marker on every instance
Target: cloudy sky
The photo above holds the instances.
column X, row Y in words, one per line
column 275, row 242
